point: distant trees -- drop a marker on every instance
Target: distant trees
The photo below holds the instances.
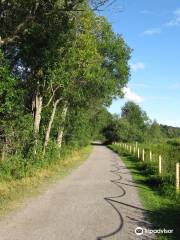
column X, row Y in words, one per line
column 134, row 114
column 169, row 131
column 155, row 131
column 134, row 125
column 131, row 126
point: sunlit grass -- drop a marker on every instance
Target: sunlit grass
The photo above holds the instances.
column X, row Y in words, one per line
column 164, row 207
column 14, row 192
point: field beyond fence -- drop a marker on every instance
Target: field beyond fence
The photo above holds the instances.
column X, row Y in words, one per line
column 160, row 159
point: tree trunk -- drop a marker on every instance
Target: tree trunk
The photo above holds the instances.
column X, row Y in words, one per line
column 61, row 128
column 37, row 109
column 48, row 131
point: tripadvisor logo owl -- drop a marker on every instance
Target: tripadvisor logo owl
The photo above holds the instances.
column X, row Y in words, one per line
column 139, row 231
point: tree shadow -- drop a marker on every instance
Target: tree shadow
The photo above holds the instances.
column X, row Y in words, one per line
column 167, row 217
column 97, row 144
column 164, row 216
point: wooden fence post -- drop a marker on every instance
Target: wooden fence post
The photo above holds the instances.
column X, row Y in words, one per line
column 136, row 145
column 177, row 177
column 160, row 164
column 138, row 153
column 150, row 155
column 143, row 154
column 130, row 149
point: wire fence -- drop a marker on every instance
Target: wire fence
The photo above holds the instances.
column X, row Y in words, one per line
column 165, row 165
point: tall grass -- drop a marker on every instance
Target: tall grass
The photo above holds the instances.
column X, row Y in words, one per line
column 157, row 194
column 170, row 153
column 17, row 166
column 21, row 178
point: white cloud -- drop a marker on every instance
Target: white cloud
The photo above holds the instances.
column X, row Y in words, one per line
column 137, row 66
column 131, row 96
column 175, row 21
column 151, row 31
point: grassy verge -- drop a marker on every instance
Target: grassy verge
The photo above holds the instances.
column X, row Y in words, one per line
column 14, row 193
column 164, row 208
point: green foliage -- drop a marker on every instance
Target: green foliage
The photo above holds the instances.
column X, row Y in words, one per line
column 174, row 142
column 9, row 94
column 115, row 54
column 134, row 125
column 131, row 126
column 51, row 54
column 134, row 114
column 170, row 155
column 170, row 132
column 15, row 123
column 13, row 167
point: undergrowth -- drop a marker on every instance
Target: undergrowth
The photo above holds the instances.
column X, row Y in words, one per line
column 16, row 186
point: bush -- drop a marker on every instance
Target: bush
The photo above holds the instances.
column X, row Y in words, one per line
column 13, row 168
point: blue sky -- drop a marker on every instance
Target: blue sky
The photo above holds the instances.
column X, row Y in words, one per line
column 152, row 29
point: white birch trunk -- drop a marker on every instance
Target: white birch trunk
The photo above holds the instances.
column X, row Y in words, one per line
column 48, row 131
column 61, row 128
column 37, row 109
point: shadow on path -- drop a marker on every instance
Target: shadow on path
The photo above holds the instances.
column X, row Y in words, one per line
column 115, row 200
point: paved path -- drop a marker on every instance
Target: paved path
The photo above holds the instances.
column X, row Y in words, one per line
column 96, row 201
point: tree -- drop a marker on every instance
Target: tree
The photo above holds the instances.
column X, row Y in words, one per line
column 85, row 65
column 62, row 55
column 18, row 16
column 155, row 131
column 116, row 55
column 31, row 33
column 134, row 114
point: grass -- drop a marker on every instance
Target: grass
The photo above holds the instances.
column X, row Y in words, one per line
column 170, row 152
column 164, row 208
column 13, row 193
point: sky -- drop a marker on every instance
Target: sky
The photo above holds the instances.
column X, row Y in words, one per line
column 152, row 29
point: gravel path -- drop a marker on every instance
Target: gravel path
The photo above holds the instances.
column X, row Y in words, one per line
column 96, row 201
